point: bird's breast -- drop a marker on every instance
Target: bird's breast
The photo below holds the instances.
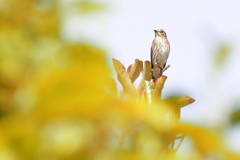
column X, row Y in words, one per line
column 160, row 51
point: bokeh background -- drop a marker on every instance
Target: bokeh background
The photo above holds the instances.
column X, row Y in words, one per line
column 56, row 54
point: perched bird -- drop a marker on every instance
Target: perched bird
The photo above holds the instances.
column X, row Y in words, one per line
column 159, row 53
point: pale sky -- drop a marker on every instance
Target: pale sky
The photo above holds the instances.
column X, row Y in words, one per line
column 194, row 30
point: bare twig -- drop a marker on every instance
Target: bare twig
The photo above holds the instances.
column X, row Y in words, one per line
column 165, row 68
column 179, row 144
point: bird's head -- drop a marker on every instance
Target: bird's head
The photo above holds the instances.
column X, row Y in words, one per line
column 160, row 33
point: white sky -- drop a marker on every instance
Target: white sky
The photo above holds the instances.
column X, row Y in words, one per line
column 194, row 29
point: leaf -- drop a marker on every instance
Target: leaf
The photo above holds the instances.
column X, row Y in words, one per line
column 123, row 77
column 157, row 92
column 135, row 69
column 129, row 68
column 176, row 104
column 180, row 102
column 146, row 75
column 148, row 91
column 120, row 69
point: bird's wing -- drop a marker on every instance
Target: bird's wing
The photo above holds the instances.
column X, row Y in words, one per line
column 152, row 53
column 151, row 57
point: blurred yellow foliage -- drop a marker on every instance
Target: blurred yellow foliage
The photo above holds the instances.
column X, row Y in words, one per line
column 87, row 6
column 54, row 103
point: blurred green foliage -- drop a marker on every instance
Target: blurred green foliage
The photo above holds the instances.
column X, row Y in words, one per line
column 235, row 117
column 235, row 114
column 222, row 55
column 58, row 101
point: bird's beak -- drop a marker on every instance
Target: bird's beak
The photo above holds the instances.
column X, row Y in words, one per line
column 155, row 30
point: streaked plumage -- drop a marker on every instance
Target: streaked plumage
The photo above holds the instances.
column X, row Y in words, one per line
column 159, row 53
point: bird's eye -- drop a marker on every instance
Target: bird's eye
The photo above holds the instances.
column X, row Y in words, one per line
column 161, row 31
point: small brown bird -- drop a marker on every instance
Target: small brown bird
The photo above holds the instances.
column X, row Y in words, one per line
column 159, row 53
